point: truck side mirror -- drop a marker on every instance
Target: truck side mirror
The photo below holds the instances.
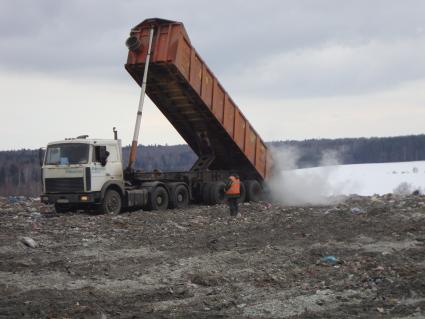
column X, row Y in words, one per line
column 101, row 155
column 104, row 158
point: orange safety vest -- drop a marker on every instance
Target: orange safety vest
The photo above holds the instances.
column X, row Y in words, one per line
column 235, row 186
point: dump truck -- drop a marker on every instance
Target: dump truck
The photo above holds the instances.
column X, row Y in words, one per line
column 82, row 173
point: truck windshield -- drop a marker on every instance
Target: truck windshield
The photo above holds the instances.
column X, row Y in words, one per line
column 65, row 154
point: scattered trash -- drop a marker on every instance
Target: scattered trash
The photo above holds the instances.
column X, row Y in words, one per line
column 35, row 226
column 357, row 210
column 332, row 210
column 28, row 241
column 12, row 199
column 35, row 215
column 329, row 259
column 177, row 225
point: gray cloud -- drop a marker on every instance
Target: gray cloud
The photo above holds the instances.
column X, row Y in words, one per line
column 335, row 69
column 281, row 48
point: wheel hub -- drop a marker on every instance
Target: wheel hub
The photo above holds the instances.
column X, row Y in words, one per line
column 112, row 204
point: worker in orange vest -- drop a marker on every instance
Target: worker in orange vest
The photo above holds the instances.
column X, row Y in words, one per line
column 233, row 191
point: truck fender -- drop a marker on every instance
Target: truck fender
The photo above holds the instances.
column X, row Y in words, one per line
column 151, row 185
column 115, row 184
column 173, row 185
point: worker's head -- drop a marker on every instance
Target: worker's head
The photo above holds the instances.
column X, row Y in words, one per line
column 234, row 175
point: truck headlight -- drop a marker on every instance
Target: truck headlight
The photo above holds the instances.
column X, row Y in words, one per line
column 84, row 198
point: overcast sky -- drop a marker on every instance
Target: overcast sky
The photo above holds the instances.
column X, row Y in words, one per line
column 297, row 69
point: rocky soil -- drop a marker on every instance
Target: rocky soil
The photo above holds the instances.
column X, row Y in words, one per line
column 362, row 258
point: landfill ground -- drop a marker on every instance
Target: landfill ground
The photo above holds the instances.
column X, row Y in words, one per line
column 362, row 258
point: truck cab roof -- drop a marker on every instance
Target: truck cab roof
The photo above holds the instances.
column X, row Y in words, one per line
column 91, row 141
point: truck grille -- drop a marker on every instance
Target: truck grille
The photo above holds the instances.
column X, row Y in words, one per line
column 64, row 185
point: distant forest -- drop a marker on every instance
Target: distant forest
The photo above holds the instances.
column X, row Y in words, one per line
column 20, row 171
column 358, row 150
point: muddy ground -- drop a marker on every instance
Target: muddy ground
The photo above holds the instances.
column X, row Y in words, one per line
column 363, row 258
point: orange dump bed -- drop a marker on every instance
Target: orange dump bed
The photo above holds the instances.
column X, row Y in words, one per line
column 193, row 100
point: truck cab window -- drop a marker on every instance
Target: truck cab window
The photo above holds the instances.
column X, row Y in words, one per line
column 67, row 153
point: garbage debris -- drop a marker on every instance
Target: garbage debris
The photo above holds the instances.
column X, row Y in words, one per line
column 28, row 241
column 380, row 310
column 357, row 210
column 35, row 215
column 174, row 262
column 330, row 259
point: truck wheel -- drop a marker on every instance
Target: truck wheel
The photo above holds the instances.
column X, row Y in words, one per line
column 253, row 191
column 197, row 193
column 217, row 193
column 206, row 193
column 62, row 208
column 112, row 202
column 158, row 199
column 242, row 196
column 180, row 197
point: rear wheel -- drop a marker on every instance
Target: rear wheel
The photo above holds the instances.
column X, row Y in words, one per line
column 205, row 190
column 217, row 193
column 158, row 198
column 179, row 197
column 112, row 202
column 253, row 191
column 242, row 196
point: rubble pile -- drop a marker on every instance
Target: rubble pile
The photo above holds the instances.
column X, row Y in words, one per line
column 363, row 257
column 17, row 205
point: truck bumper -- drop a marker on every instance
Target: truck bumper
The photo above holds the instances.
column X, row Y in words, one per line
column 74, row 198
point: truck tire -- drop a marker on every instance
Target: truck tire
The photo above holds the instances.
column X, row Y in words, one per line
column 197, row 193
column 158, row 199
column 205, row 190
column 111, row 203
column 242, row 196
column 253, row 191
column 179, row 197
column 217, row 193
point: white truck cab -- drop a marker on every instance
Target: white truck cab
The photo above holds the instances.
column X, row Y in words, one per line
column 81, row 171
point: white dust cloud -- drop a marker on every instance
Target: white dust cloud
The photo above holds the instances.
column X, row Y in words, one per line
column 290, row 187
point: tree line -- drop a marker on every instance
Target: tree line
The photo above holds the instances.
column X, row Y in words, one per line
column 20, row 171
column 358, row 150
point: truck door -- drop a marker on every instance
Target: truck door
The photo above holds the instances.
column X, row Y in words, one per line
column 98, row 169
column 114, row 169
column 106, row 165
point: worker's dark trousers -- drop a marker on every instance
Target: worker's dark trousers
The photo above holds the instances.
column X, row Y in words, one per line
column 233, row 205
